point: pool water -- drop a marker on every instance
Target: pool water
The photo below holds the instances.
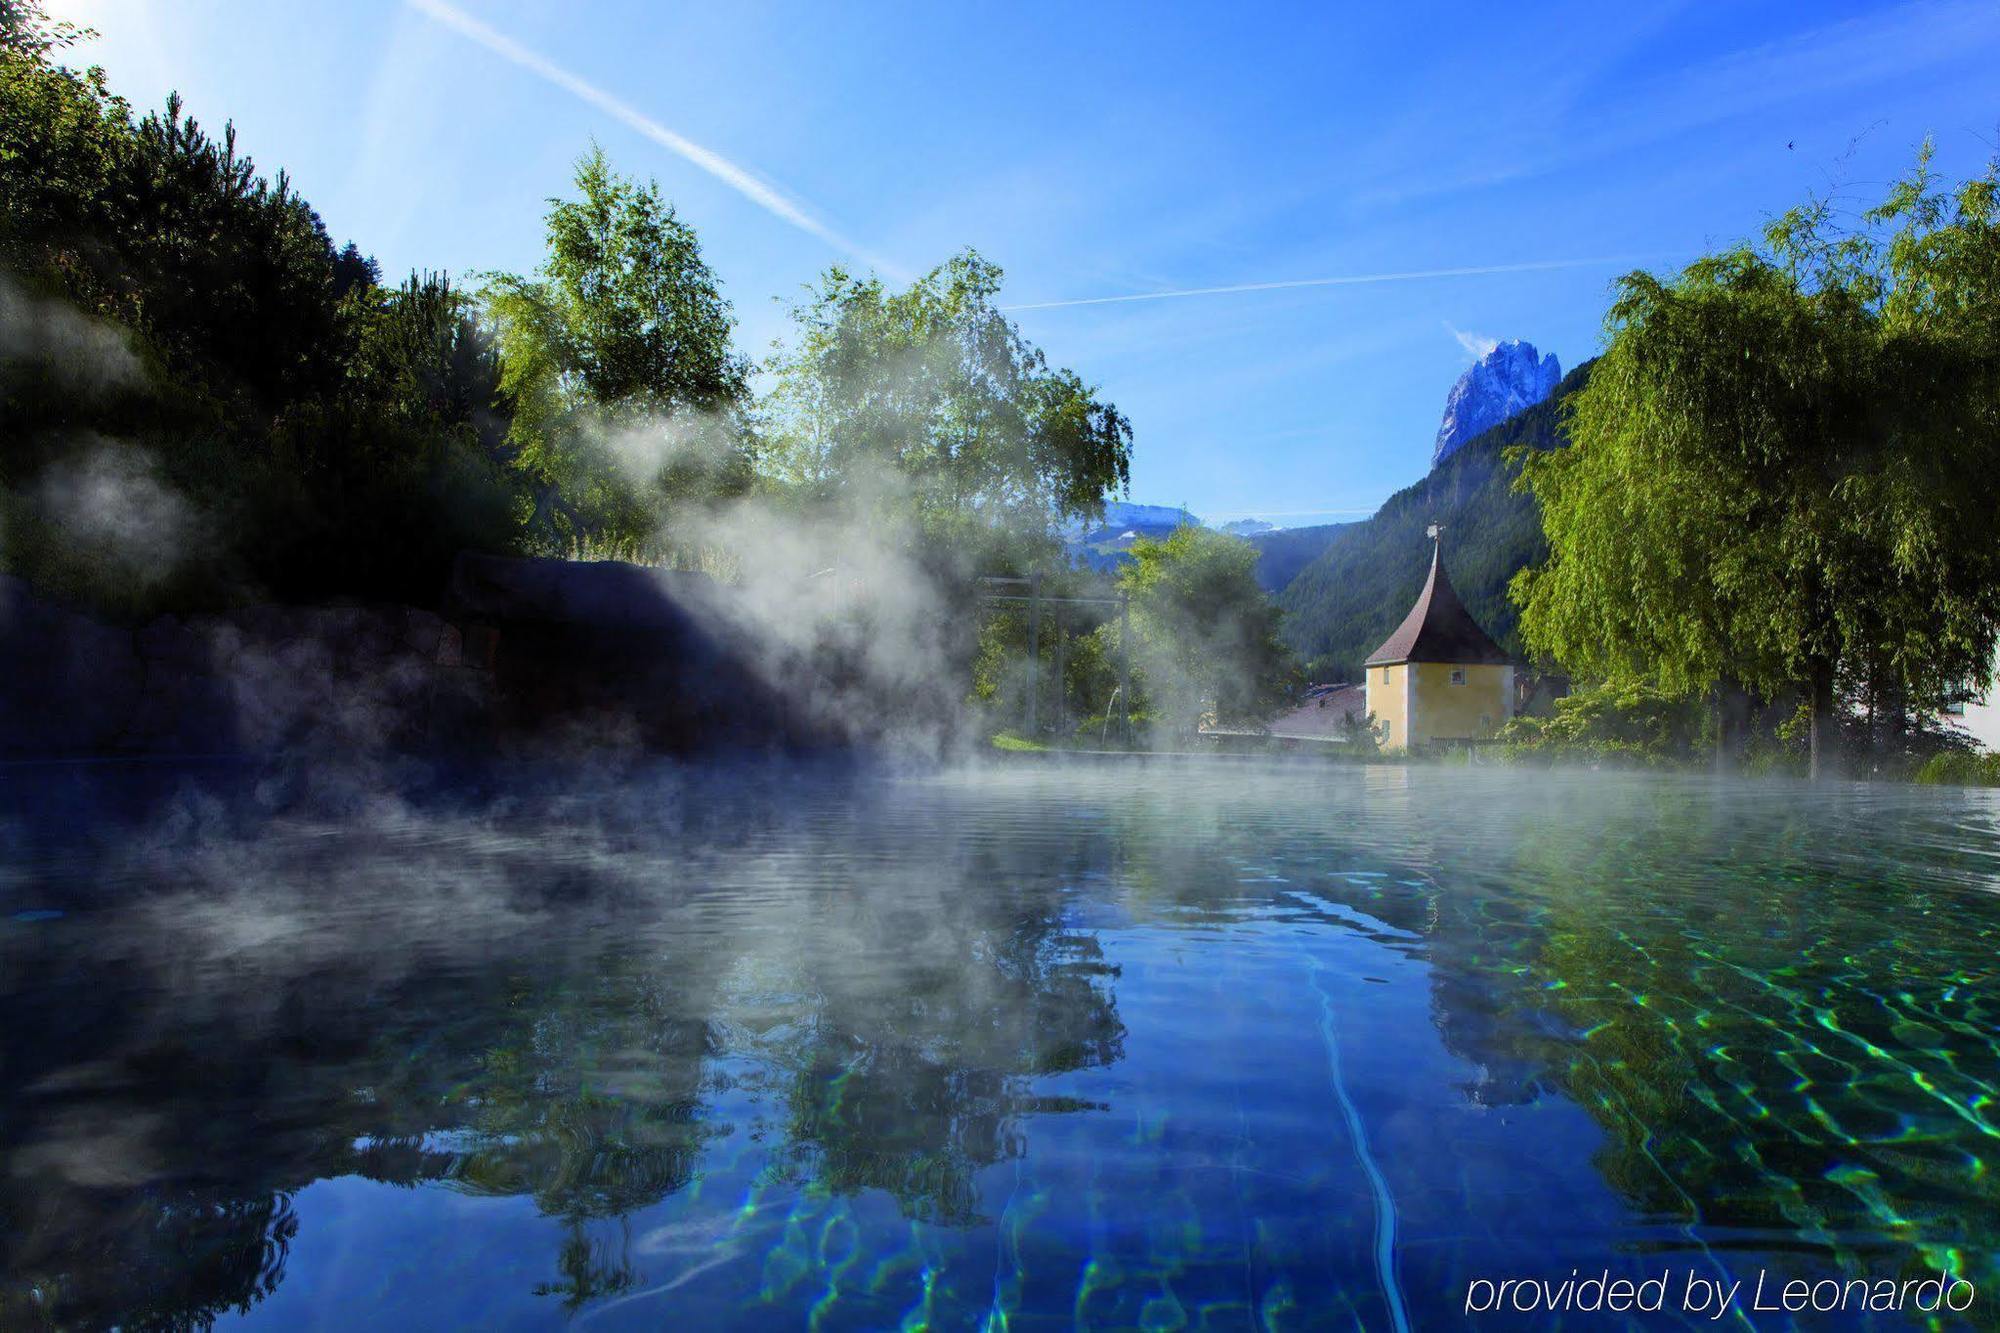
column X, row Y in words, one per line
column 1171, row 1045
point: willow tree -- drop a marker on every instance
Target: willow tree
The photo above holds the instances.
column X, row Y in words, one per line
column 1784, row 472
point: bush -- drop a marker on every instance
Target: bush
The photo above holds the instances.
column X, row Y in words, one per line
column 1630, row 723
column 1961, row 768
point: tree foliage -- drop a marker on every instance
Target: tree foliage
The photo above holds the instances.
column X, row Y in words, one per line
column 930, row 399
column 1783, row 471
column 201, row 398
column 205, row 399
column 1629, row 720
column 617, row 356
column 1208, row 646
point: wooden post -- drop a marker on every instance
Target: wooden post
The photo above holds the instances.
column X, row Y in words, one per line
column 1125, row 662
column 1821, row 754
column 1062, row 692
column 1034, row 648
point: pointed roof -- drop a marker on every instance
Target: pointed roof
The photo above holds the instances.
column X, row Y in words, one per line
column 1439, row 629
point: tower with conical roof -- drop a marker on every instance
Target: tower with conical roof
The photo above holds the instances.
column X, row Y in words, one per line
column 1439, row 676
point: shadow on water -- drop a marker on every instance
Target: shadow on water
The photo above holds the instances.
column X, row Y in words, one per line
column 764, row 1044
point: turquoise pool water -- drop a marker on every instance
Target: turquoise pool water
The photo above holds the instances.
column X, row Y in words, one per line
column 1171, row 1046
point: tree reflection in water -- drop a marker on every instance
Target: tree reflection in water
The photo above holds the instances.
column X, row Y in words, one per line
column 841, row 1026
column 508, row 1006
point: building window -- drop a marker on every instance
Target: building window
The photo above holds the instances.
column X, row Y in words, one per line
column 1458, row 675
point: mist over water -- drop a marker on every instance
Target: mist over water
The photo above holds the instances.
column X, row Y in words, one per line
column 1173, row 1044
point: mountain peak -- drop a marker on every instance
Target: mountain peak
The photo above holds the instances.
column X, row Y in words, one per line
column 1248, row 527
column 1510, row 378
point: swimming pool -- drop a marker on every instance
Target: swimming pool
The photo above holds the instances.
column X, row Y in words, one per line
column 1201, row 1045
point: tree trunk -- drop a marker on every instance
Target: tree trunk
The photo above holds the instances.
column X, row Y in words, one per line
column 1732, row 721
column 1822, row 760
column 1875, row 726
column 1720, row 702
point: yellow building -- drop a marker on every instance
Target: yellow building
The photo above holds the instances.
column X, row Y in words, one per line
column 1439, row 676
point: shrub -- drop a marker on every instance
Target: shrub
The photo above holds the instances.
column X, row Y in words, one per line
column 1962, row 768
column 1632, row 722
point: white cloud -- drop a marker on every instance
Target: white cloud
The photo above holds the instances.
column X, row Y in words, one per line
column 1476, row 345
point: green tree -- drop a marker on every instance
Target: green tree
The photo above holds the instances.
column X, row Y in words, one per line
column 1207, row 636
column 423, row 356
column 307, row 433
column 64, row 139
column 921, row 421
column 1631, row 720
column 617, row 356
column 930, row 400
column 1785, row 469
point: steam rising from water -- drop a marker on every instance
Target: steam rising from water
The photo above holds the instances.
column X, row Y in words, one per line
column 83, row 354
column 834, row 596
column 112, row 503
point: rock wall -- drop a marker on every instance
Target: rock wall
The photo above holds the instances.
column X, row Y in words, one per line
column 601, row 653
column 529, row 655
column 261, row 680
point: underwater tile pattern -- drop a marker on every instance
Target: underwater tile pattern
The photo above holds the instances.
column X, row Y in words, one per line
column 1172, row 1046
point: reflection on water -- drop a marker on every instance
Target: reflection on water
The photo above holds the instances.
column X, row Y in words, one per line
column 1208, row 1046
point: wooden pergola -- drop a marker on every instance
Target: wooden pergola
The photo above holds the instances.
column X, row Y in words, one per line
column 1003, row 588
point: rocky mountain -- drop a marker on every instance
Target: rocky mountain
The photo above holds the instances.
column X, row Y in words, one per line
column 1147, row 520
column 1508, row 380
column 1357, row 587
column 1103, row 545
column 1281, row 552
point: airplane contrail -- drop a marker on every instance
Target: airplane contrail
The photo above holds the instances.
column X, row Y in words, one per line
column 1283, row 513
column 744, row 182
column 1351, row 280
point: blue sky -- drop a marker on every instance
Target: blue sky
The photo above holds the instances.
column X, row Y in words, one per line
column 1114, row 150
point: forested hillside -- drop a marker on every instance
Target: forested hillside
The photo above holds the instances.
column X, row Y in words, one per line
column 1341, row 606
column 1281, row 554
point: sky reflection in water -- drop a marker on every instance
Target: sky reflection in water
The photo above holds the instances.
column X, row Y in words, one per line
column 1212, row 1046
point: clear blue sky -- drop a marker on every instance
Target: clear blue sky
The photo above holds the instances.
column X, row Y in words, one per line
column 1111, row 150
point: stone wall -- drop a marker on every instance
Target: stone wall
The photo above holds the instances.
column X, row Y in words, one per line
column 529, row 656
column 260, row 680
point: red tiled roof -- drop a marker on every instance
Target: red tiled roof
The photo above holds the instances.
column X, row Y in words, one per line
column 1439, row 629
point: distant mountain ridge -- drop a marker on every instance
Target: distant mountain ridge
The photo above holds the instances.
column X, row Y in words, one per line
column 1123, row 515
column 1508, row 380
column 1281, row 552
column 1103, row 545
column 1343, row 603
